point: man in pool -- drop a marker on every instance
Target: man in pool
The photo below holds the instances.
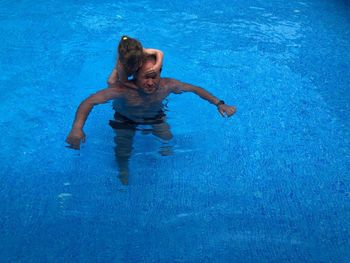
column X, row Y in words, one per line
column 140, row 106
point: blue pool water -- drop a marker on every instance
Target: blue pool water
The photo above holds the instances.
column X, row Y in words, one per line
column 270, row 184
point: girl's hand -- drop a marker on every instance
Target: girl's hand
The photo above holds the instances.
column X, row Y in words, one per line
column 155, row 68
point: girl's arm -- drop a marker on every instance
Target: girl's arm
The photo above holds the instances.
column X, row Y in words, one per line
column 113, row 77
column 117, row 74
column 159, row 57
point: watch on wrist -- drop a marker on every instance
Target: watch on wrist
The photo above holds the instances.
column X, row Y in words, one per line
column 220, row 103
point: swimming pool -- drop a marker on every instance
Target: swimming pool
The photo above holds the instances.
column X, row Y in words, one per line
column 271, row 184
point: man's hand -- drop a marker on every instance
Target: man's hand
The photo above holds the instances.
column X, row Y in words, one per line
column 226, row 110
column 75, row 137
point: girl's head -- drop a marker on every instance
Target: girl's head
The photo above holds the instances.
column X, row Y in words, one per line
column 130, row 54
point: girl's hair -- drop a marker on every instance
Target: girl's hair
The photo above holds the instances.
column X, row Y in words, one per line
column 130, row 54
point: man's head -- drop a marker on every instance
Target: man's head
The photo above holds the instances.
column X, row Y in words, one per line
column 146, row 80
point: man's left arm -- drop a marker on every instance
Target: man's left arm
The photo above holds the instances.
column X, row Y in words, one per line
column 178, row 87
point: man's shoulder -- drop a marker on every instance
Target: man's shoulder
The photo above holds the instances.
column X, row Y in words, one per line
column 172, row 85
column 116, row 90
column 168, row 82
column 118, row 86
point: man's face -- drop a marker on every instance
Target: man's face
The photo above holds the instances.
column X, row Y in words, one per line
column 146, row 80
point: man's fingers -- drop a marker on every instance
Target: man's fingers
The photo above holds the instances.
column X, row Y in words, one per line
column 75, row 147
column 231, row 111
column 74, row 143
column 70, row 141
column 227, row 111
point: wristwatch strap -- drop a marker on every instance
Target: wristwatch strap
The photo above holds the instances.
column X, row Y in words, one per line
column 219, row 103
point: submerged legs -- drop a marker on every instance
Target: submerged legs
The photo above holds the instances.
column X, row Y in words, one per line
column 163, row 132
column 124, row 141
column 123, row 148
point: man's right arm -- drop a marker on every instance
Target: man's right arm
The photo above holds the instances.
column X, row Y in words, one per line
column 76, row 135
